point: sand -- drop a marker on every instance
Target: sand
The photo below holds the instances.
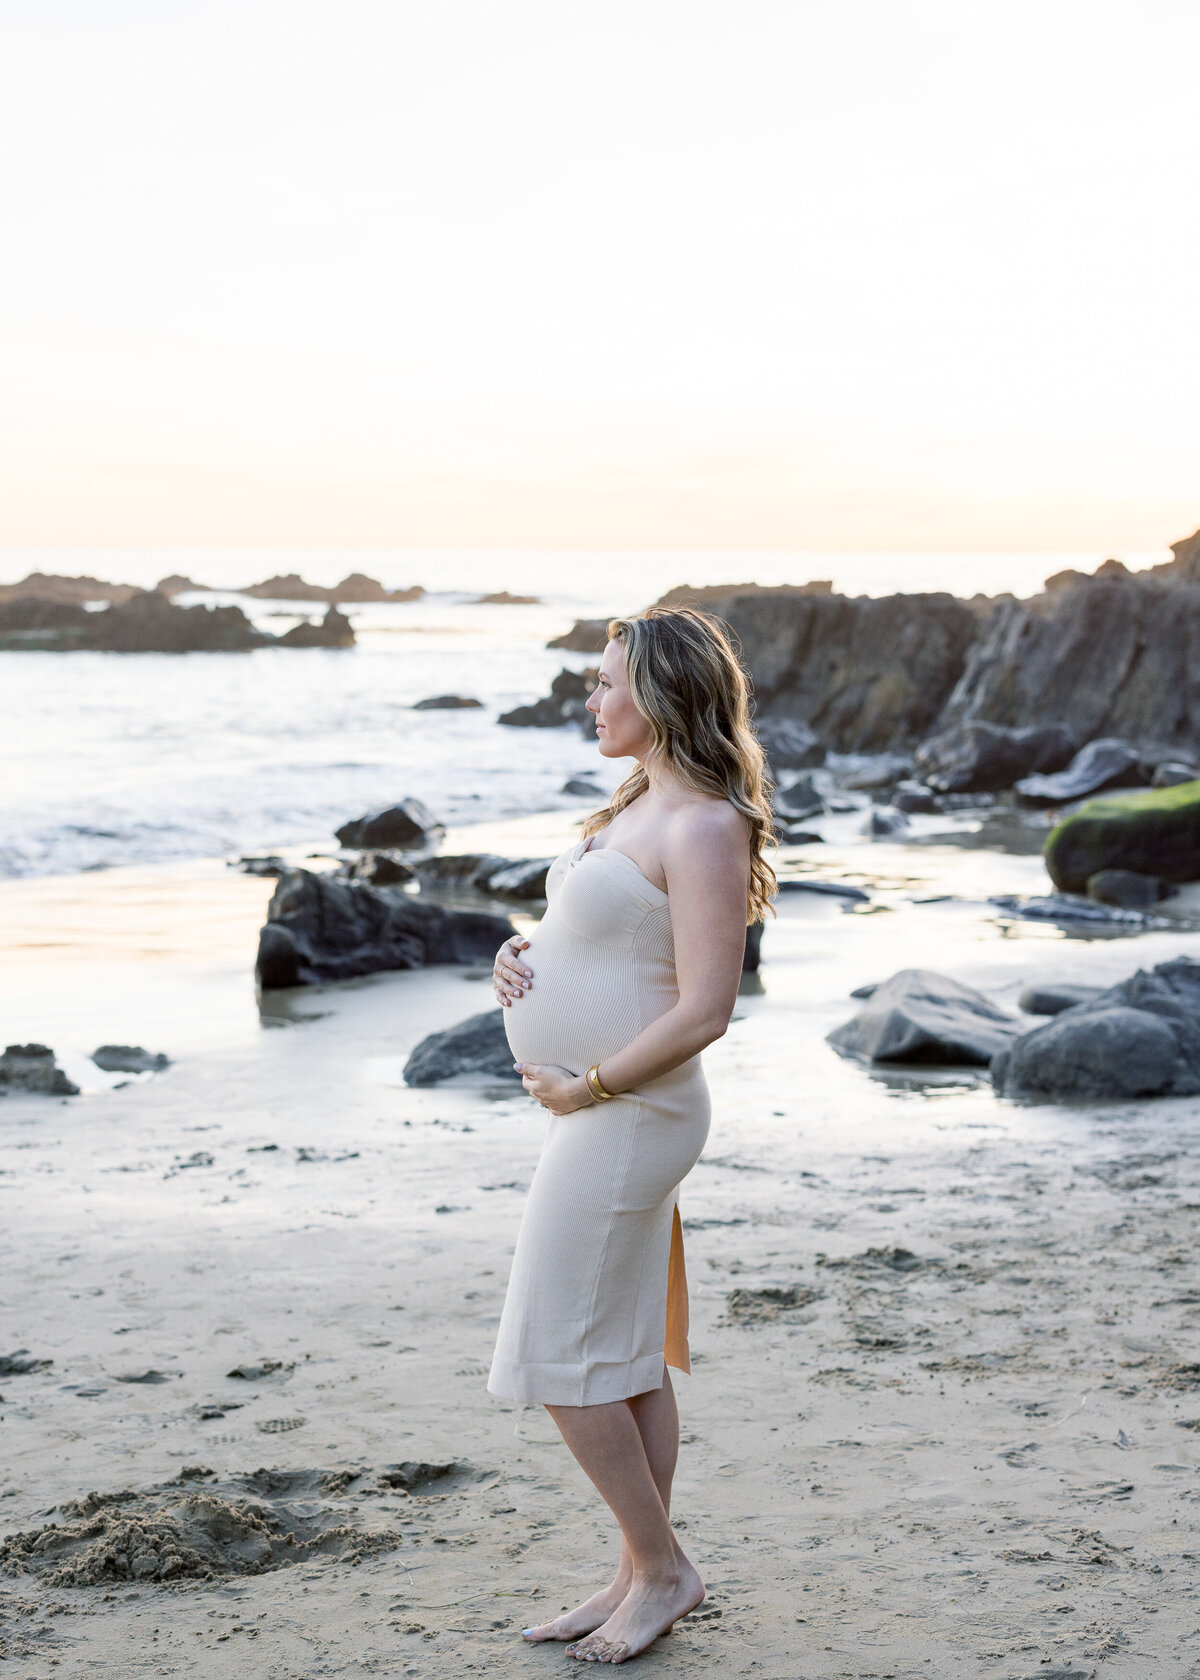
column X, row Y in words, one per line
column 945, row 1414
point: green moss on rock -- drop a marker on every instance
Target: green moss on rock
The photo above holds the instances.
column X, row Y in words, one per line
column 1154, row 831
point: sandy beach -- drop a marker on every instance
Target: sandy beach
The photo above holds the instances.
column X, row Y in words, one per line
column 945, row 1414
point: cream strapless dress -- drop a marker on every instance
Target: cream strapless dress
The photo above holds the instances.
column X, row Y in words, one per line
column 597, row 1297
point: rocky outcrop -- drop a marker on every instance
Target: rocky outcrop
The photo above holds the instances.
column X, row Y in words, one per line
column 920, row 1016
column 1107, row 763
column 290, row 586
column 53, row 586
column 564, row 704
column 321, row 928
column 1106, row 655
column 146, row 622
column 334, row 631
column 586, row 635
column 32, row 1068
column 149, row 623
column 1137, row 1039
column 179, row 584
column 378, row 869
column 447, row 703
column 477, row 1047
column 505, row 598
column 29, row 622
column 521, row 879
column 789, row 745
column 986, row 757
column 1155, row 831
column 407, row 827
column 866, row 675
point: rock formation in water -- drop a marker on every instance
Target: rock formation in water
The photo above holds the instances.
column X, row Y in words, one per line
column 53, row 586
column 1140, row 1038
column 290, row 586
column 334, row 631
column 321, row 928
column 1152, row 831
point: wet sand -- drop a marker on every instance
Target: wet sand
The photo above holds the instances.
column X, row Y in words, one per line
column 945, row 1415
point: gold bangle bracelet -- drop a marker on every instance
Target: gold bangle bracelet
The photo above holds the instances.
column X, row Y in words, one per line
column 592, row 1081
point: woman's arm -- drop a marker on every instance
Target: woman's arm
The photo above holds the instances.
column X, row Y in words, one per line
column 706, row 860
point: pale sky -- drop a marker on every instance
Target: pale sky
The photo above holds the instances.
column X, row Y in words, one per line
column 522, row 273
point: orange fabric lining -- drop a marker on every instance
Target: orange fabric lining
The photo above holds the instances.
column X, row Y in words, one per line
column 676, row 1343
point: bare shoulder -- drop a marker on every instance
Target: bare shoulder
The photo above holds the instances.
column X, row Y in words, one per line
column 708, row 829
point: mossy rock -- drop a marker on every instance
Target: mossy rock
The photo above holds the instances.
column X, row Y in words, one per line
column 1154, row 831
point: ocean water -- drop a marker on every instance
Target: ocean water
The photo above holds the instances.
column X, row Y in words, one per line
column 112, row 759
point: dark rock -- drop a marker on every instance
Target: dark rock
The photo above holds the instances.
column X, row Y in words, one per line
column 981, row 757
column 879, row 775
column 1140, row 1038
column 799, row 800
column 522, row 879
column 1155, row 832
column 789, row 745
column 142, row 622
column 28, row 621
column 1173, row 772
column 1101, row 764
column 504, row 598
column 1067, row 907
column 448, row 703
column 582, row 787
column 379, row 869
column 149, row 623
column 129, row 1058
column 334, row 631
column 320, row 928
column 866, row 991
column 485, row 872
column 267, row 866
column 355, row 588
column 179, row 584
column 866, row 675
column 882, row 825
column 566, row 703
column 586, row 635
column 1109, row 655
column 459, row 869
column 31, row 1067
column 791, row 834
column 914, row 799
column 752, row 955
column 1125, row 888
column 476, row 1046
column 406, row 827
column 832, row 889
column 53, row 586
column 920, row 1016
column 1053, row 999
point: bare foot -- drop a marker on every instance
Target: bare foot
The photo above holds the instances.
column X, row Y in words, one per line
column 649, row 1609
column 592, row 1613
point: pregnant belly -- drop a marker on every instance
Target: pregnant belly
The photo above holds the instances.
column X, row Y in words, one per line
column 560, row 1020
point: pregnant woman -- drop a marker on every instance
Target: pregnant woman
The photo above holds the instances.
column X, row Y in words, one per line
column 632, row 971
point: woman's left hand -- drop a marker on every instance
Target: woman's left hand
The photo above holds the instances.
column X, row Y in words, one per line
column 556, row 1089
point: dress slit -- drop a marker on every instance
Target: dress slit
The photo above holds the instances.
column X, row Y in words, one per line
column 675, row 1343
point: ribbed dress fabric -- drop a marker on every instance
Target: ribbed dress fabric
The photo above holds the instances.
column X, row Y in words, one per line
column 597, row 1297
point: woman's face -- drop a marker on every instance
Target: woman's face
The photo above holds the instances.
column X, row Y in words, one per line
column 621, row 729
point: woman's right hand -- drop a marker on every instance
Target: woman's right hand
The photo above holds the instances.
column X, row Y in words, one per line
column 510, row 978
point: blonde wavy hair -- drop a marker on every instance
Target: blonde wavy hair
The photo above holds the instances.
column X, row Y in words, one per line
column 687, row 682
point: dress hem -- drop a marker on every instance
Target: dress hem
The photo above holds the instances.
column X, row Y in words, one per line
column 576, row 1385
